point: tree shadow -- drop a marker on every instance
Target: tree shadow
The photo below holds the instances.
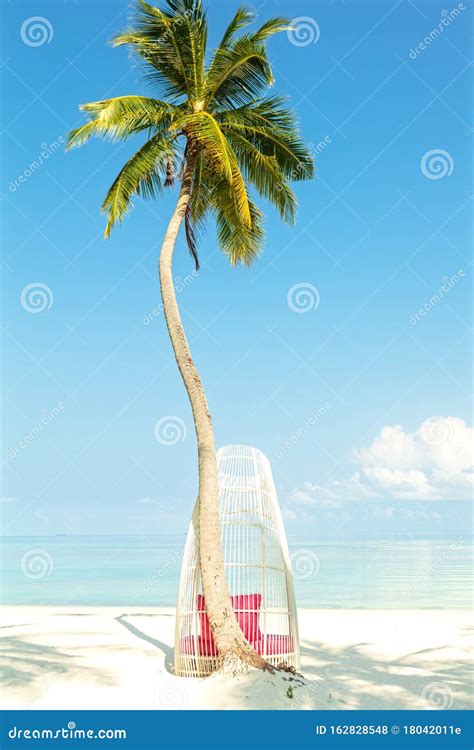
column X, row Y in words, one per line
column 14, row 625
column 168, row 652
column 23, row 663
column 419, row 680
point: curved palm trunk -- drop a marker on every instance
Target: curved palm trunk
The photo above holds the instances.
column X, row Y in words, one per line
column 229, row 639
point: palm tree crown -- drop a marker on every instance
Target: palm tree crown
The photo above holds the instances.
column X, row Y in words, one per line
column 213, row 116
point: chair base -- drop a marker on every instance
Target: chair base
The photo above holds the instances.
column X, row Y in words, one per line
column 199, row 657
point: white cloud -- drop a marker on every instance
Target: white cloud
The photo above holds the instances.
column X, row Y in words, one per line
column 433, row 463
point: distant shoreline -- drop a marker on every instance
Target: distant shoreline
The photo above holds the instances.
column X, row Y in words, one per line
column 361, row 534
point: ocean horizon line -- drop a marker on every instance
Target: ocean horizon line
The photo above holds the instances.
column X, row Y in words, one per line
column 378, row 534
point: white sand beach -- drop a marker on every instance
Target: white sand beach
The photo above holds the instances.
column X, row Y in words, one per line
column 114, row 657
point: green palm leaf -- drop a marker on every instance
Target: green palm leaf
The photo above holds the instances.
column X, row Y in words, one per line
column 118, row 118
column 141, row 175
column 242, row 18
column 204, row 130
column 264, row 173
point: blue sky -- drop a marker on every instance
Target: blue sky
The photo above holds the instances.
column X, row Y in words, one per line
column 361, row 402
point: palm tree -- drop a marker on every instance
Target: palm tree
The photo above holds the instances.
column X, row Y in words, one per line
column 216, row 133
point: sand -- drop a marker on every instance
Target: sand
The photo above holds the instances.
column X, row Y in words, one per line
column 122, row 658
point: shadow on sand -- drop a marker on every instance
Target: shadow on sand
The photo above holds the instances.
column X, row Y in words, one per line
column 167, row 650
column 339, row 677
column 23, row 663
column 425, row 679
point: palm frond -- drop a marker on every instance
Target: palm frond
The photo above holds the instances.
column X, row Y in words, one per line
column 200, row 202
column 242, row 18
column 237, row 74
column 241, row 243
column 240, row 68
column 270, row 27
column 191, row 237
column 203, row 129
column 172, row 45
column 118, row 118
column 141, row 175
column 264, row 173
column 267, row 111
column 272, row 130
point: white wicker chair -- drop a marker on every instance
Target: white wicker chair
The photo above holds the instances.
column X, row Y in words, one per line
column 257, row 567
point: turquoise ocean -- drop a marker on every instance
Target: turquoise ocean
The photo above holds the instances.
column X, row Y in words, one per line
column 399, row 572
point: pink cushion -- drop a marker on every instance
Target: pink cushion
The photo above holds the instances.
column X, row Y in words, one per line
column 206, row 632
column 191, row 646
column 274, row 645
column 246, row 608
column 277, row 644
